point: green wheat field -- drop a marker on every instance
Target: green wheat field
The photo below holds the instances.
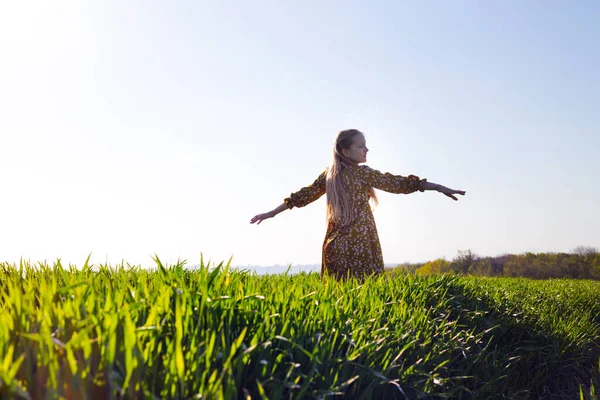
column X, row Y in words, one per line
column 219, row 333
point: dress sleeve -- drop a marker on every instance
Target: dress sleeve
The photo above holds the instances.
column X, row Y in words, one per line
column 389, row 182
column 307, row 194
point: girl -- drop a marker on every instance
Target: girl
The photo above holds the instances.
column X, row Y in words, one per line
column 351, row 246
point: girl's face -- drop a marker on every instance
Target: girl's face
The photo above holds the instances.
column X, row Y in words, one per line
column 357, row 152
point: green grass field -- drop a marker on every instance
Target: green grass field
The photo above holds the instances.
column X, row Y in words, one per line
column 216, row 333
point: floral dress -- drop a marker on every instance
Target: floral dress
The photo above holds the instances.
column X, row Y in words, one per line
column 354, row 250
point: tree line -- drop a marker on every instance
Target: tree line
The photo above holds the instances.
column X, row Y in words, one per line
column 582, row 263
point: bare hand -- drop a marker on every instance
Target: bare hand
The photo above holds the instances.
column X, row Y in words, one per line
column 450, row 192
column 261, row 217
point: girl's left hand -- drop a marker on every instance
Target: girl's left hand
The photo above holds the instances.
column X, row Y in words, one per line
column 261, row 217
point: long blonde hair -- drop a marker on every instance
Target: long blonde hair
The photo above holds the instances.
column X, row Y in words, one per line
column 340, row 209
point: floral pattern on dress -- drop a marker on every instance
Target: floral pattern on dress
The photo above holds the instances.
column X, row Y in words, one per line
column 354, row 250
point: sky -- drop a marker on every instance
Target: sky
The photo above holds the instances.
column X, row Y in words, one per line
column 141, row 128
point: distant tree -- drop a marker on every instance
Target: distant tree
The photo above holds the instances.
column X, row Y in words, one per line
column 534, row 266
column 424, row 270
column 498, row 264
column 482, row 267
column 514, row 266
column 438, row 266
column 596, row 267
column 585, row 256
column 584, row 263
column 551, row 265
column 571, row 267
column 404, row 268
column 463, row 261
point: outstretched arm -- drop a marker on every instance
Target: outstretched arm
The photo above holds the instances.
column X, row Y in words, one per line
column 261, row 217
column 402, row 184
column 442, row 189
column 301, row 198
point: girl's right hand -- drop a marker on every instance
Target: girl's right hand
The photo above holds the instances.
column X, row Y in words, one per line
column 261, row 217
column 450, row 192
